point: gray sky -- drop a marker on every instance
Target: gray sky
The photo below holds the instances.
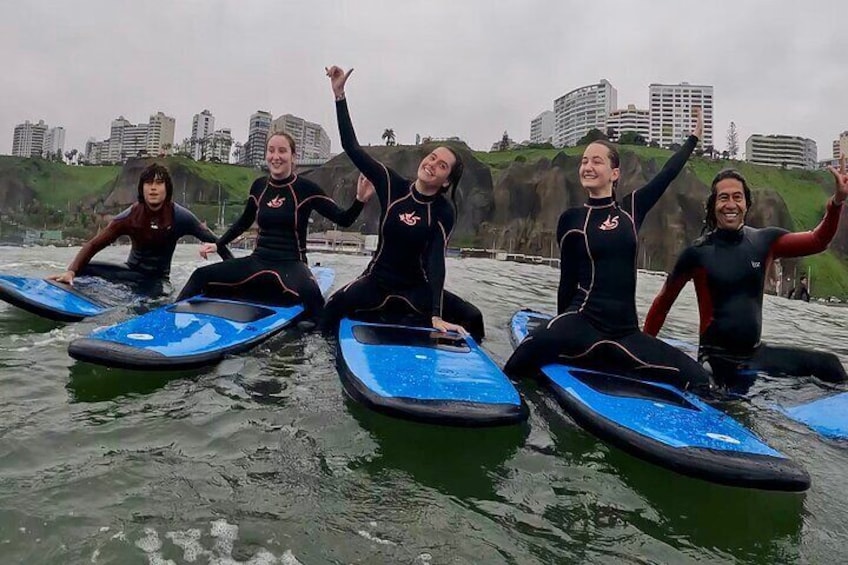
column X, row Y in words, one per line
column 471, row 68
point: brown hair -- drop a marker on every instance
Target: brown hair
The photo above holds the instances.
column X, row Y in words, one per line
column 275, row 133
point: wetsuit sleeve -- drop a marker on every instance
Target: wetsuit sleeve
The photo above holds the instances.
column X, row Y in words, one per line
column 680, row 275
column 809, row 242
column 189, row 224
column 248, row 216
column 109, row 234
column 436, row 260
column 567, row 272
column 373, row 170
column 327, row 207
column 641, row 200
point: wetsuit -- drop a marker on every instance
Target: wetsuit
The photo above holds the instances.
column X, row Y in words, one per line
column 276, row 272
column 729, row 269
column 799, row 293
column 597, row 326
column 153, row 235
column 404, row 282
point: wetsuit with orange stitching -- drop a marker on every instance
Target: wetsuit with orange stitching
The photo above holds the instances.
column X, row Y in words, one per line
column 405, row 279
column 729, row 269
column 597, row 326
column 276, row 271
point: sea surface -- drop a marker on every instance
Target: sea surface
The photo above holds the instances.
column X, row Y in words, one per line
column 262, row 459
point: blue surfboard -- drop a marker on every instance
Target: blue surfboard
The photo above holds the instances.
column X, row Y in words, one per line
column 191, row 333
column 49, row 299
column 425, row 375
column 828, row 416
column 663, row 425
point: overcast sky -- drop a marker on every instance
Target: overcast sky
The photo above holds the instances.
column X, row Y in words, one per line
column 471, row 68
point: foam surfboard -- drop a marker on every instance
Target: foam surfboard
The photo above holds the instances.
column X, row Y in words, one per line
column 425, row 375
column 663, row 425
column 49, row 299
column 188, row 334
column 828, row 416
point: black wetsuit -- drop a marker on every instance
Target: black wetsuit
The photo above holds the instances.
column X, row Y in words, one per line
column 597, row 326
column 154, row 236
column 729, row 270
column 276, row 272
column 404, row 282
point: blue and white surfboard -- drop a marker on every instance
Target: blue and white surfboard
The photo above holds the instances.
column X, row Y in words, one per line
column 52, row 300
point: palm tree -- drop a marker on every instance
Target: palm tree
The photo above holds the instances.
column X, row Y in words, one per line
column 389, row 136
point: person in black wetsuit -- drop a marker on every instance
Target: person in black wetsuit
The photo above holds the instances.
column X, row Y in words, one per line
column 154, row 224
column 800, row 292
column 728, row 266
column 276, row 272
column 404, row 282
column 596, row 325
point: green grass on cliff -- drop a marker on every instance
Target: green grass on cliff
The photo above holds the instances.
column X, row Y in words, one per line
column 235, row 180
column 57, row 184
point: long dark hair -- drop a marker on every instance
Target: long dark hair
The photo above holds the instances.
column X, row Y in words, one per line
column 154, row 172
column 454, row 176
column 615, row 160
column 710, row 220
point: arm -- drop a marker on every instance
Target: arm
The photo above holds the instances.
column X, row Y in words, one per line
column 436, row 260
column 810, row 242
column 680, row 275
column 248, row 216
column 643, row 199
column 189, row 224
column 567, row 272
column 109, row 234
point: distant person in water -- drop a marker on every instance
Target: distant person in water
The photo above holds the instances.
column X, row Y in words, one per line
column 596, row 326
column 800, row 292
column 154, row 224
column 728, row 266
column 280, row 204
column 404, row 282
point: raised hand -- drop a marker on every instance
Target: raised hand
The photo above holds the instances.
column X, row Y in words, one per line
column 840, row 191
column 338, row 78
column 698, row 114
column 364, row 189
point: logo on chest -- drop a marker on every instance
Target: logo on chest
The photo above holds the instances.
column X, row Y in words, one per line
column 755, row 264
column 409, row 218
column 609, row 224
column 276, row 202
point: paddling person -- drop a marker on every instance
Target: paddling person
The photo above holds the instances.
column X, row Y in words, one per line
column 154, row 224
column 404, row 282
column 596, row 325
column 280, row 203
column 800, row 292
column 728, row 265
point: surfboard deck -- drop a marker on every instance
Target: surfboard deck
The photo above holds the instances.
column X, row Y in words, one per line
column 828, row 416
column 189, row 334
column 49, row 299
column 661, row 424
column 424, row 375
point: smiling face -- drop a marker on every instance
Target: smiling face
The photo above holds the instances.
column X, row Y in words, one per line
column 597, row 170
column 730, row 205
column 435, row 168
column 279, row 156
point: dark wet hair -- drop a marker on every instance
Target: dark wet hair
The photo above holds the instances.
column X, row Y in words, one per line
column 710, row 221
column 614, row 157
column 292, row 144
column 454, row 176
column 152, row 173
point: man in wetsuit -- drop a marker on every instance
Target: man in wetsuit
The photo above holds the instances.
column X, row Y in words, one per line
column 800, row 292
column 728, row 266
column 154, row 224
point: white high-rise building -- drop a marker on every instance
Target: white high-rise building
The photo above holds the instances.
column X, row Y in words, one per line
column 217, row 146
column 260, row 124
column 134, row 142
column 160, row 134
column 202, row 126
column 629, row 119
column 581, row 110
column 787, row 151
column 54, row 141
column 837, row 144
column 116, row 137
column 310, row 138
column 671, row 112
column 28, row 139
column 542, row 128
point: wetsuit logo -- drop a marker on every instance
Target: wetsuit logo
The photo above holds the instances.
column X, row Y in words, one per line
column 610, row 223
column 755, row 264
column 409, row 218
column 276, row 202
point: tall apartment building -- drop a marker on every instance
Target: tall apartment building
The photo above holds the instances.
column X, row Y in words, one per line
column 670, row 107
column 542, row 128
column 134, row 141
column 581, row 110
column 787, row 151
column 116, row 136
column 202, row 126
column 28, row 139
column 629, row 119
column 160, row 134
column 217, row 145
column 837, row 144
column 310, row 138
column 54, row 141
column 260, row 124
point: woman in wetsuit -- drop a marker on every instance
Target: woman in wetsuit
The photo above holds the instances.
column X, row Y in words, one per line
column 596, row 324
column 405, row 279
column 276, row 272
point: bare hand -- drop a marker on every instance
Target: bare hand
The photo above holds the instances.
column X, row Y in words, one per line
column 67, row 277
column 364, row 189
column 207, row 248
column 841, row 190
column 445, row 327
column 698, row 114
column 338, row 78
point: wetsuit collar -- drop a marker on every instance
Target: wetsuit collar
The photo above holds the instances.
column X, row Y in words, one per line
column 600, row 202
column 422, row 197
column 281, row 182
column 729, row 236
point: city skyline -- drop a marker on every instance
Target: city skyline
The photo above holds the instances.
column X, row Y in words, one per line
column 497, row 67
